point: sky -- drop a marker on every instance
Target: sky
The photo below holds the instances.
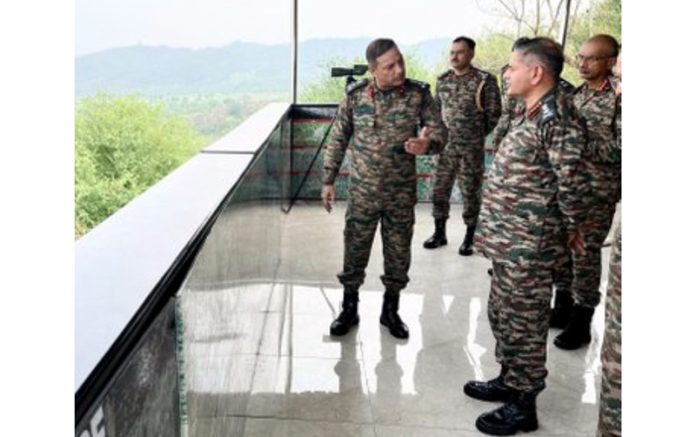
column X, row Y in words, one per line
column 104, row 24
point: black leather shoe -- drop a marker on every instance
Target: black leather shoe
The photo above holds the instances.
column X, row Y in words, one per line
column 467, row 247
column 494, row 390
column 562, row 308
column 438, row 238
column 390, row 316
column 348, row 316
column 516, row 415
column 577, row 333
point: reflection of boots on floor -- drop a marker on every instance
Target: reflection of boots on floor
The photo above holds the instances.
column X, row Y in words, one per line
column 577, row 333
column 438, row 238
column 390, row 316
column 349, row 315
column 562, row 307
column 517, row 414
column 466, row 248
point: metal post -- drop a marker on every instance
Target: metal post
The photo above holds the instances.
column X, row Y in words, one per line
column 294, row 52
column 565, row 24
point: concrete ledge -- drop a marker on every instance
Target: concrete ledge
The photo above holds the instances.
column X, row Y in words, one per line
column 252, row 132
column 120, row 261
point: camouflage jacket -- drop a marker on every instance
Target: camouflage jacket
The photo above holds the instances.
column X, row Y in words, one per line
column 379, row 122
column 536, row 186
column 513, row 107
column 470, row 105
column 600, row 111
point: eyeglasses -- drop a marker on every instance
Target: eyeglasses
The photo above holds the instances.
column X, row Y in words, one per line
column 590, row 59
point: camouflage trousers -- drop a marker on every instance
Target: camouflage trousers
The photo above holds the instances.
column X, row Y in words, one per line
column 581, row 274
column 519, row 314
column 467, row 169
column 609, row 424
column 396, row 217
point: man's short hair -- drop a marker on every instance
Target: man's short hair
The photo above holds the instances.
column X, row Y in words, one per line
column 518, row 41
column 466, row 40
column 611, row 44
column 547, row 51
column 377, row 48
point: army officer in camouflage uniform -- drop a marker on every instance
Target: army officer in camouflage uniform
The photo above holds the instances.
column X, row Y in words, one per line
column 470, row 103
column 598, row 104
column 513, row 107
column 383, row 117
column 532, row 209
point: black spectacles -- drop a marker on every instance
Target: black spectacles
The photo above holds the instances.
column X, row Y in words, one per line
column 579, row 58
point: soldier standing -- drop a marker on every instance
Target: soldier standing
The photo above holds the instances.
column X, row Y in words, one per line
column 596, row 100
column 513, row 107
column 609, row 424
column 382, row 116
column 532, row 209
column 470, row 103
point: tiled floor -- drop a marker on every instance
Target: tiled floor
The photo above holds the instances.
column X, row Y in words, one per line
column 258, row 360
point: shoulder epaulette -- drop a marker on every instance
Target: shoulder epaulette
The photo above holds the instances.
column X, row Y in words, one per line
column 614, row 82
column 444, row 75
column 423, row 87
column 549, row 109
column 566, row 86
column 483, row 75
column 356, row 85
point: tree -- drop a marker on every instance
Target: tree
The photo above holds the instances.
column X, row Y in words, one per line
column 123, row 145
column 545, row 18
column 530, row 17
column 602, row 17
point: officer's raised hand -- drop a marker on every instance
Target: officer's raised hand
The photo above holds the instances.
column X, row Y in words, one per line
column 328, row 197
column 418, row 146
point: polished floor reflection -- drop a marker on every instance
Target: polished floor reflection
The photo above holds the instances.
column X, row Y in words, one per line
column 258, row 360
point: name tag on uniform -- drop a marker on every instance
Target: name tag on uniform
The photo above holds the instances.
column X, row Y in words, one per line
column 364, row 110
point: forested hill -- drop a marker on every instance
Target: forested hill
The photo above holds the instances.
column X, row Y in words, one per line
column 237, row 67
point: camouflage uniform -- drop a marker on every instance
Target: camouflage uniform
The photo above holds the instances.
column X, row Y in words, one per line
column 470, row 106
column 600, row 111
column 513, row 107
column 382, row 184
column 610, row 397
column 501, row 129
column 533, row 195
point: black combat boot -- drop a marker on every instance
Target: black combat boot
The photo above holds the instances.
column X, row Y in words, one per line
column 466, row 248
column 349, row 315
column 562, row 307
column 438, row 238
column 494, row 390
column 390, row 316
column 518, row 414
column 577, row 333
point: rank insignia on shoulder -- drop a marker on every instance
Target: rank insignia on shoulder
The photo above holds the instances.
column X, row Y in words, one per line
column 549, row 110
column 356, row 85
column 615, row 83
column 483, row 75
column 422, row 86
column 444, row 75
column 566, row 86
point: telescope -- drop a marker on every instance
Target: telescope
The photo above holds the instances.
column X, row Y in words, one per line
column 357, row 70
